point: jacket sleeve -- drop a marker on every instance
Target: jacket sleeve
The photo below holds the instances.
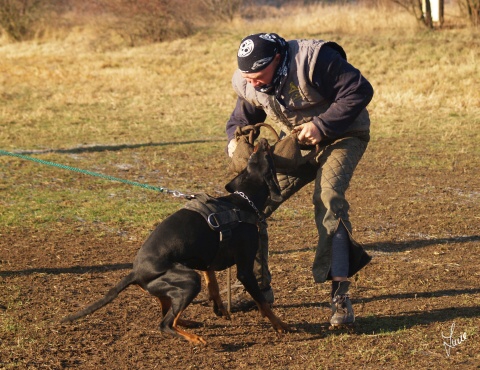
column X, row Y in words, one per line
column 344, row 86
column 244, row 114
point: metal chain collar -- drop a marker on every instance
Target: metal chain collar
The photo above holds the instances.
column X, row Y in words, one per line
column 259, row 214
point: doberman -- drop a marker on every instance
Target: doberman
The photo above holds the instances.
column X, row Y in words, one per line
column 184, row 242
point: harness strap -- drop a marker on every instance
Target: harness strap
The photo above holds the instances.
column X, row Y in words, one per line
column 220, row 215
column 230, row 217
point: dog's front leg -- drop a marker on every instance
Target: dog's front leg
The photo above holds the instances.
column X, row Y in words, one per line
column 250, row 283
column 214, row 294
column 278, row 325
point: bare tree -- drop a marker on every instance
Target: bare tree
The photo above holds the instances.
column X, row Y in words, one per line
column 422, row 10
column 471, row 8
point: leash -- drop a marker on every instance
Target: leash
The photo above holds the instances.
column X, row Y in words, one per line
column 175, row 193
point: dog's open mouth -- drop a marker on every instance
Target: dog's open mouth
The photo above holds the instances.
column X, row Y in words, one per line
column 262, row 144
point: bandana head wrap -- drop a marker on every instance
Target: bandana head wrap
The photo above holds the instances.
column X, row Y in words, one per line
column 257, row 51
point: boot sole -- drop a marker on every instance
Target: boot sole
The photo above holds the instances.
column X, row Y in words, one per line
column 350, row 327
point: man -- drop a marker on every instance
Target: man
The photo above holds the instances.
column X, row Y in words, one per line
column 308, row 87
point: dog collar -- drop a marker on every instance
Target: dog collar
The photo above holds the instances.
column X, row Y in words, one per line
column 260, row 215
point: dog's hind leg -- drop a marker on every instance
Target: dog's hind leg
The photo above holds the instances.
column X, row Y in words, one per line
column 214, row 294
column 176, row 289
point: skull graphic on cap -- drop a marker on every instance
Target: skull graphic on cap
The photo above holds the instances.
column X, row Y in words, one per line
column 245, row 48
column 257, row 51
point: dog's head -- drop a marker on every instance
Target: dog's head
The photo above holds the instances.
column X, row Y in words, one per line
column 260, row 169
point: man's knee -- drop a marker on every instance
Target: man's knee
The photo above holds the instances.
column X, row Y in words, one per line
column 330, row 207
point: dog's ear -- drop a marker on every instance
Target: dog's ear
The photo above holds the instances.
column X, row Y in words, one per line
column 273, row 187
column 234, row 184
column 272, row 182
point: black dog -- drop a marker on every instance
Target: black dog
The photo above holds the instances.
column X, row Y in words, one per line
column 184, row 242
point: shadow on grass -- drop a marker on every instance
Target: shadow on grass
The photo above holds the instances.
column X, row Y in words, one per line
column 432, row 294
column 392, row 247
column 384, row 325
column 388, row 324
column 102, row 148
column 68, row 270
column 420, row 243
column 374, row 324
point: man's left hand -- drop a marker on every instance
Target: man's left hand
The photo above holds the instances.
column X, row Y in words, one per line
column 309, row 134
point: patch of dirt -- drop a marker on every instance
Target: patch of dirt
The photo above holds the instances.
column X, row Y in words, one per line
column 422, row 285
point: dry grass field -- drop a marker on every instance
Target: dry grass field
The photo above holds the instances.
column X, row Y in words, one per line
column 155, row 114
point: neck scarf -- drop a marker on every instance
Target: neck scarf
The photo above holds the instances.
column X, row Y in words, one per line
column 280, row 74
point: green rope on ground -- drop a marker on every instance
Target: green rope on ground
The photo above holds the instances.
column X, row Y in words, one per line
column 91, row 173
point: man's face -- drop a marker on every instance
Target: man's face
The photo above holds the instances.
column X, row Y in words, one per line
column 265, row 76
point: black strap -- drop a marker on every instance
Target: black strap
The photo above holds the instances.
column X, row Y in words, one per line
column 220, row 215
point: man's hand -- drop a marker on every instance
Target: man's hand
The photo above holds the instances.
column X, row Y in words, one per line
column 232, row 145
column 309, row 133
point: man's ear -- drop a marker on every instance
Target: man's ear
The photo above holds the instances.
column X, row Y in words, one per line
column 277, row 58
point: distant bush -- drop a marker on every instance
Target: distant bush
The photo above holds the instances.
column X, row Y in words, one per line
column 23, row 20
column 136, row 22
column 18, row 18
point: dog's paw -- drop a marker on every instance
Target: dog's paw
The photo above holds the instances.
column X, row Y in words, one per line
column 221, row 311
column 281, row 327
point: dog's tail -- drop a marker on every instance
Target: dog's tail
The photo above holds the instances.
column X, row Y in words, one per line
column 110, row 296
